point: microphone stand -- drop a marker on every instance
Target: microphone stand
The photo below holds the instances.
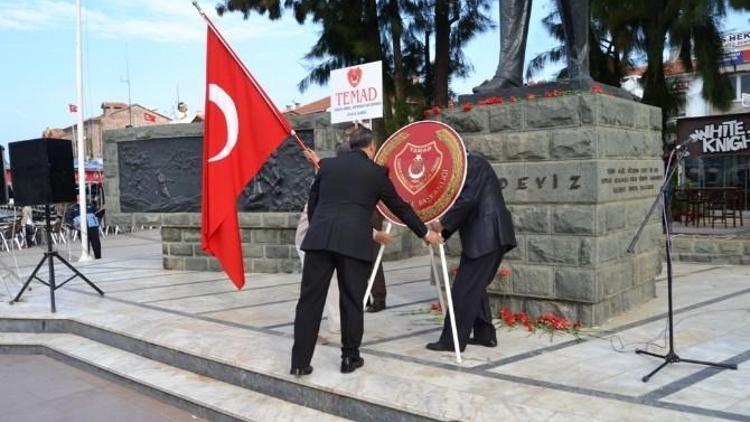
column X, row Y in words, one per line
column 670, row 357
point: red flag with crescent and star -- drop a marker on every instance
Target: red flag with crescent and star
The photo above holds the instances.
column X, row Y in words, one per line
column 242, row 129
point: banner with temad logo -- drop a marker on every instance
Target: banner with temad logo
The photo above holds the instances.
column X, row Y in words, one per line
column 357, row 93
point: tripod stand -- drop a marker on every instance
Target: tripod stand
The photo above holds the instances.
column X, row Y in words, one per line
column 49, row 256
column 671, row 356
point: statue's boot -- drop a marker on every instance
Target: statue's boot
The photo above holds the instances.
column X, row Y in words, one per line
column 576, row 20
column 514, row 29
column 495, row 84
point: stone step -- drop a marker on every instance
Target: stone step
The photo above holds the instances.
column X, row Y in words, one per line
column 293, row 393
column 206, row 397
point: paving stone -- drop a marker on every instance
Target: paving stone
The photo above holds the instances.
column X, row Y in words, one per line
column 553, row 249
column 472, row 121
column 527, row 219
column 617, row 112
column 555, row 113
column 183, row 249
column 530, row 146
column 274, row 220
column 573, row 143
column 177, row 219
column 265, row 236
column 577, row 219
column 171, row 234
column 277, row 251
column 576, row 285
column 248, row 219
column 505, row 117
column 191, row 234
column 536, row 281
column 252, row 250
column 196, row 264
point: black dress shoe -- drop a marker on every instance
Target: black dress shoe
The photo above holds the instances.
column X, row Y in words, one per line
column 298, row 372
column 375, row 307
column 440, row 347
column 349, row 365
column 485, row 343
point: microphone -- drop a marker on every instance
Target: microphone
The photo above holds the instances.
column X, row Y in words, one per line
column 693, row 138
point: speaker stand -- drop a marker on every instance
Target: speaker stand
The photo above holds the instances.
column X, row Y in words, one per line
column 49, row 256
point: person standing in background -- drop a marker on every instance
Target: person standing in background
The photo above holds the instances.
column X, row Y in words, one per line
column 27, row 221
column 92, row 225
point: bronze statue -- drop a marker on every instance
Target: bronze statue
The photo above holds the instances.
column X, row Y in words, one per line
column 514, row 29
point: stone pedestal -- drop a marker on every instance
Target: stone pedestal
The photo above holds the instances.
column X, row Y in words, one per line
column 267, row 243
column 578, row 173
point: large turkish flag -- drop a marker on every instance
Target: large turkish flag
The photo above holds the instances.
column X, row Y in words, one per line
column 242, row 129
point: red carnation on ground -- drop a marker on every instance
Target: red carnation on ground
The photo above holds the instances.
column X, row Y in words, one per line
column 597, row 89
column 504, row 272
column 467, row 107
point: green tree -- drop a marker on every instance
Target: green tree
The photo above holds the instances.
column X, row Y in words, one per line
column 398, row 32
column 644, row 29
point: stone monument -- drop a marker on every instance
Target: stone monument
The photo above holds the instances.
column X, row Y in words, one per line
column 153, row 179
column 578, row 173
column 579, row 168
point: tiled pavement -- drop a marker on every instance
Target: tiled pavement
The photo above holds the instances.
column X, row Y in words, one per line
column 527, row 378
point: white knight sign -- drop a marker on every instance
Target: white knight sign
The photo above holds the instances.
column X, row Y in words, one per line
column 715, row 134
column 357, row 93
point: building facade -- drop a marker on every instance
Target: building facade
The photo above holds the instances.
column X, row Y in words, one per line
column 115, row 115
column 719, row 159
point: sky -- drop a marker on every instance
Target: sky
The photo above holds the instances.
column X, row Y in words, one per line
column 159, row 45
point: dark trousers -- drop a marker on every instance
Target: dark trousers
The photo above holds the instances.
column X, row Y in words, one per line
column 378, row 286
column 470, row 301
column 29, row 235
column 316, row 276
column 94, row 242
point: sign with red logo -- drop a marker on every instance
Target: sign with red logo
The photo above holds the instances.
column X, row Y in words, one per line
column 357, row 93
column 427, row 165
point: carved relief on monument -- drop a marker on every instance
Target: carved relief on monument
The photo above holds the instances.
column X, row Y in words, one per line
column 164, row 175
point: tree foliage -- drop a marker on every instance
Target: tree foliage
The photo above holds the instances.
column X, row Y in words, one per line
column 624, row 33
column 419, row 41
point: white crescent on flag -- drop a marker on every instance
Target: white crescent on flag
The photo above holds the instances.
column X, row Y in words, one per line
column 222, row 100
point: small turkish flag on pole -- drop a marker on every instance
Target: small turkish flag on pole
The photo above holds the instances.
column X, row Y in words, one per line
column 72, row 108
column 242, row 129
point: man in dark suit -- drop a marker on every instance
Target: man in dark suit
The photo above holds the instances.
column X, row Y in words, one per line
column 342, row 200
column 486, row 229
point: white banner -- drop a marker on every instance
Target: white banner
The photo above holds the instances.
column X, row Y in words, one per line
column 357, row 93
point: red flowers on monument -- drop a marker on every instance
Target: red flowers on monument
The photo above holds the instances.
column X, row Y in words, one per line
column 547, row 322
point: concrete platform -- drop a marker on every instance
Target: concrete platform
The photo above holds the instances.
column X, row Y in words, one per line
column 191, row 339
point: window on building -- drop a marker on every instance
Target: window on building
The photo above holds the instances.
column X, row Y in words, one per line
column 740, row 85
column 733, row 81
column 681, row 104
column 744, row 85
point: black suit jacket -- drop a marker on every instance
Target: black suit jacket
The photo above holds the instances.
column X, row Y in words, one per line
column 342, row 200
column 479, row 213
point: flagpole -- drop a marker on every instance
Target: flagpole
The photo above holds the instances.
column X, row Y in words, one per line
column 79, row 143
column 257, row 86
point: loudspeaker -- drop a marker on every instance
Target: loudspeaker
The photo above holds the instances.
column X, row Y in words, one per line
column 42, row 171
column 4, row 185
